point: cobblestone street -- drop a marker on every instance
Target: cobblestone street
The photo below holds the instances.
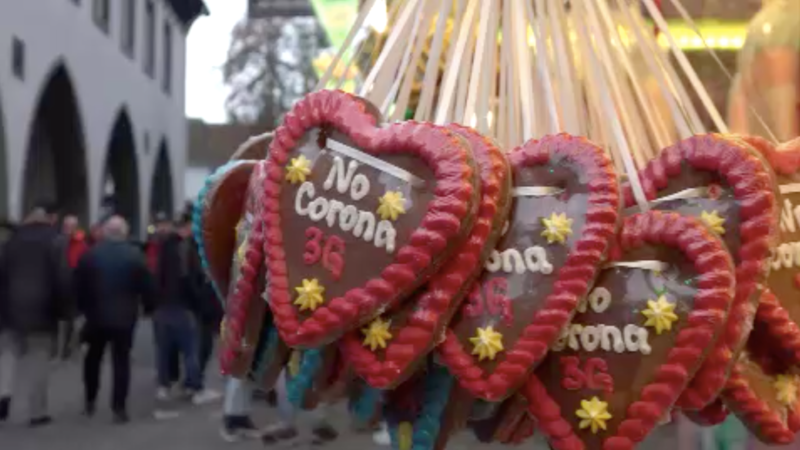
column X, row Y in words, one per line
column 197, row 428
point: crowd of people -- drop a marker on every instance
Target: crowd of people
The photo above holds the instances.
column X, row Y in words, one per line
column 63, row 290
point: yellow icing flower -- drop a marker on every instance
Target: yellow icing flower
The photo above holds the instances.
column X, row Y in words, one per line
column 298, row 169
column 488, row 343
column 556, row 228
column 714, row 221
column 786, row 385
column 593, row 414
column 405, row 436
column 294, row 363
column 660, row 314
column 310, row 295
column 377, row 334
column 392, row 204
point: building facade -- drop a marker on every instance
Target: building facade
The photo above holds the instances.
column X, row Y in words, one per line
column 92, row 106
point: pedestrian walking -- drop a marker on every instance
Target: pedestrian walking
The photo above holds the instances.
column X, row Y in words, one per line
column 207, row 308
column 175, row 318
column 32, row 305
column 285, row 429
column 112, row 284
column 237, row 423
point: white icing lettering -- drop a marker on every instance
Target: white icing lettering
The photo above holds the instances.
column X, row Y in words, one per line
column 318, row 209
column 590, row 338
column 493, row 262
column 600, row 299
column 365, row 225
column 334, row 208
column 350, row 219
column 385, row 235
column 512, row 261
column 360, row 187
column 358, row 184
column 611, row 337
column 786, row 256
column 636, row 339
column 308, row 189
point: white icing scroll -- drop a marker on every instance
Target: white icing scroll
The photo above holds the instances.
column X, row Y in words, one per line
column 695, row 192
column 654, row 266
column 535, row 191
column 791, row 188
column 383, row 166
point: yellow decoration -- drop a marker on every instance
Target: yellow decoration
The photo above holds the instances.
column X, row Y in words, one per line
column 392, row 204
column 298, row 169
column 556, row 228
column 405, row 436
column 786, row 385
column 593, row 414
column 488, row 343
column 294, row 363
column 660, row 314
column 310, row 295
column 714, row 221
column 377, row 334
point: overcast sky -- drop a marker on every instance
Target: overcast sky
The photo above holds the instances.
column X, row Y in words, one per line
column 208, row 44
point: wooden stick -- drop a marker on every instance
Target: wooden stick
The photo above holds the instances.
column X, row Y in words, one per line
column 348, row 40
column 402, row 69
column 388, row 50
column 688, row 70
column 463, row 81
column 523, row 64
column 432, row 66
column 673, row 80
column 411, row 69
column 553, row 124
column 446, row 95
column 648, row 52
column 607, row 103
column 478, row 62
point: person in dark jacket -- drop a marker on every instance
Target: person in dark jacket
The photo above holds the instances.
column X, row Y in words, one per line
column 31, row 309
column 206, row 306
column 113, row 284
column 175, row 317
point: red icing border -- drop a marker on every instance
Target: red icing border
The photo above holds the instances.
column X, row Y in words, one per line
column 713, row 414
column 240, row 297
column 752, row 186
column 754, row 412
column 574, row 277
column 775, row 321
column 450, row 162
column 436, row 306
column 715, row 285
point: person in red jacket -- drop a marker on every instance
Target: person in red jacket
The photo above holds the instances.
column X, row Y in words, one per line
column 77, row 244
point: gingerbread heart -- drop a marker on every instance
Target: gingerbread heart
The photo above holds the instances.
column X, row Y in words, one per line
column 565, row 212
column 387, row 351
column 426, row 410
column 724, row 182
column 779, row 311
column 357, row 216
column 316, row 376
column 638, row 338
column 762, row 391
column 245, row 313
column 503, row 422
column 218, row 209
